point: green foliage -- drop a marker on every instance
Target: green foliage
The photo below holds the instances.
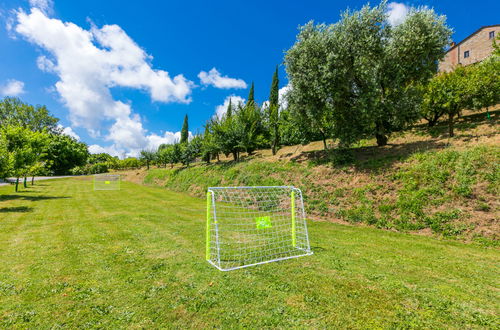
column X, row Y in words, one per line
column 360, row 76
column 25, row 147
column 251, row 96
column 129, row 163
column 64, row 153
column 472, row 87
column 191, row 150
column 274, row 113
column 14, row 112
column 88, row 169
column 185, row 130
column 148, row 156
column 101, row 158
column 5, row 157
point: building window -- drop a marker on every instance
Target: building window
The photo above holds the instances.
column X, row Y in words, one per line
column 466, row 54
column 492, row 34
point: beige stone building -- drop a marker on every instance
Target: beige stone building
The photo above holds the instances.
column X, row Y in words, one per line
column 473, row 49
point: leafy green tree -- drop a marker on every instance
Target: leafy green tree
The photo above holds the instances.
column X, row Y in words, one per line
column 484, row 83
column 64, row 153
column 185, row 130
column 148, row 156
column 17, row 113
column 360, row 77
column 249, row 129
column 191, row 150
column 100, row 158
column 162, row 155
column 209, row 148
column 5, row 157
column 227, row 135
column 26, row 148
column 471, row 87
column 273, row 113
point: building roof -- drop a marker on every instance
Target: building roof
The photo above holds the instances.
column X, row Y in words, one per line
column 472, row 34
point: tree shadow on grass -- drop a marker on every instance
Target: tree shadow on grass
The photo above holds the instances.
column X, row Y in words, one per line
column 370, row 158
column 29, row 198
column 462, row 125
column 16, row 209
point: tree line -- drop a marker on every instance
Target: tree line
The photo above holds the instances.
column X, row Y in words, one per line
column 356, row 79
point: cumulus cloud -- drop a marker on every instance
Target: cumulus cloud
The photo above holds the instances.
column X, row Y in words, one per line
column 91, row 62
column 45, row 6
column 12, row 88
column 151, row 142
column 214, row 78
column 220, row 110
column 69, row 131
column 397, row 13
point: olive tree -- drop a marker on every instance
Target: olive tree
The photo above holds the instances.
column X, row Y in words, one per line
column 359, row 77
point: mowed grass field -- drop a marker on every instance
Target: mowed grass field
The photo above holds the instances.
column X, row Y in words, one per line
column 73, row 257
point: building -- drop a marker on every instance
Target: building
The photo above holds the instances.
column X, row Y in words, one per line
column 473, row 49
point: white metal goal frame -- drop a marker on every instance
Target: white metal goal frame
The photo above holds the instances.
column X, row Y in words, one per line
column 248, row 226
column 106, row 182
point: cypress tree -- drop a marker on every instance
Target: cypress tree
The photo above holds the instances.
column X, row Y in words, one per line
column 251, row 99
column 229, row 112
column 274, row 112
column 185, row 130
column 274, row 95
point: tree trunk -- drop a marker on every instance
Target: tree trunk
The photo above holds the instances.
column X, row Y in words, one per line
column 147, row 165
column 24, row 183
column 218, row 160
column 381, row 139
column 33, row 180
column 235, row 155
column 17, row 183
column 450, row 125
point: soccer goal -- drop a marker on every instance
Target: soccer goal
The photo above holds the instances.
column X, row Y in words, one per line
column 248, row 226
column 106, row 182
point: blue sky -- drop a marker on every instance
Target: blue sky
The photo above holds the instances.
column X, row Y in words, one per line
column 126, row 101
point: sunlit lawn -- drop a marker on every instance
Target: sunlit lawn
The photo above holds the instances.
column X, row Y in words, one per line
column 72, row 257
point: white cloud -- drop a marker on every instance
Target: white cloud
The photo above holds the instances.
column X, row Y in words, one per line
column 214, row 78
column 46, row 6
column 281, row 98
column 45, row 64
column 397, row 13
column 12, row 88
column 220, row 110
column 68, row 131
column 89, row 63
column 151, row 142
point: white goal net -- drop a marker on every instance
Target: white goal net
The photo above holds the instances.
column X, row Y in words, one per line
column 247, row 226
column 106, row 182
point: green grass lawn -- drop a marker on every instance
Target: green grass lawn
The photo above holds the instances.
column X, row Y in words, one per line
column 72, row 257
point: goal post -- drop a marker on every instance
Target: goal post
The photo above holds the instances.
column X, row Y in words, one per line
column 247, row 226
column 106, row 182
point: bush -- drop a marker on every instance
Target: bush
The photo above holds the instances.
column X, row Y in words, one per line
column 90, row 169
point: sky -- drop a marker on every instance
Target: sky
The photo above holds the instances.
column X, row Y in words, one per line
column 121, row 75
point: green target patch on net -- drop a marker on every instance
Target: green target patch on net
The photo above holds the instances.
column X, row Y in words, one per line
column 263, row 222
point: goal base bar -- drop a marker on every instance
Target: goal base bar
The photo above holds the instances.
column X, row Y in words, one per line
column 260, row 263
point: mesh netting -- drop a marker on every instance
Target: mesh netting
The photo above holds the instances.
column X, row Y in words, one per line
column 106, row 182
column 253, row 225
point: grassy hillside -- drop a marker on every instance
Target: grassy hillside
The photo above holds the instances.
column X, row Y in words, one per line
column 423, row 182
column 72, row 257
